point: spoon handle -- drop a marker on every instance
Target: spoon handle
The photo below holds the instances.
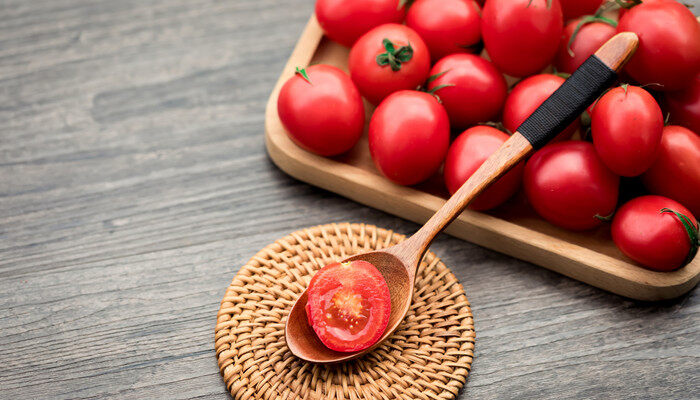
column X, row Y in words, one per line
column 595, row 75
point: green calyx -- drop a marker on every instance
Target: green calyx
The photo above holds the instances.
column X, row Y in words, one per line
column 394, row 57
column 598, row 17
column 606, row 218
column 628, row 3
column 302, row 73
column 692, row 231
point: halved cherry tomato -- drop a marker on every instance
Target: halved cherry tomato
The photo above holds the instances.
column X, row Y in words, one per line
column 577, row 8
column 656, row 232
column 387, row 59
column 345, row 21
column 568, row 185
column 470, row 87
column 526, row 96
column 676, row 171
column 592, row 35
column 626, row 125
column 324, row 113
column 447, row 26
column 521, row 36
column 668, row 55
column 466, row 155
column 408, row 136
column 348, row 305
column 684, row 105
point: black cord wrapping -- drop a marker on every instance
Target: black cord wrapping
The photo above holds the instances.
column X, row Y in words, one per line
column 567, row 102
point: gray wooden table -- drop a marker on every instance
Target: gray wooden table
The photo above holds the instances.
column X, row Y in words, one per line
column 134, row 183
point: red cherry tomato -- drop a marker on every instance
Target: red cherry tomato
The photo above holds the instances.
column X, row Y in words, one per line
column 577, row 8
column 526, row 96
column 676, row 171
column 447, row 26
column 587, row 40
column 323, row 114
column 348, row 305
column 626, row 125
column 668, row 55
column 466, row 155
column 408, row 136
column 387, row 59
column 684, row 105
column 568, row 185
column 521, row 36
column 476, row 90
column 345, row 21
column 646, row 230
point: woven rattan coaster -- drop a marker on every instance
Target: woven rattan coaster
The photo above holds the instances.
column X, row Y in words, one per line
column 428, row 357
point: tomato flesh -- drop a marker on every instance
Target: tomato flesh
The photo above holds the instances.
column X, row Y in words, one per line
column 348, row 305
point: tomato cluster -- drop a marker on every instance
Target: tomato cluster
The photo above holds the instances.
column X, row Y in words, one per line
column 445, row 69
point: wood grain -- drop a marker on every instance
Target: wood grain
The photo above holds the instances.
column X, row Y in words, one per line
column 134, row 183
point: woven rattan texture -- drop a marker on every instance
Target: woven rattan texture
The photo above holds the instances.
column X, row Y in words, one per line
column 429, row 356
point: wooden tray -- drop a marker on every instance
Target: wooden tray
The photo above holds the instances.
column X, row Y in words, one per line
column 512, row 229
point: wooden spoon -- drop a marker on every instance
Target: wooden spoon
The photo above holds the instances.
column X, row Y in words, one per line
column 398, row 264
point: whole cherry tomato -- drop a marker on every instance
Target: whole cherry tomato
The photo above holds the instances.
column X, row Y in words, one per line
column 526, row 96
column 386, row 59
column 676, row 171
column 345, row 21
column 348, row 305
column 322, row 110
column 471, row 89
column 568, row 185
column 668, row 55
column 577, row 8
column 521, row 36
column 626, row 125
column 684, row 105
column 465, row 156
column 591, row 35
column 408, row 136
column 656, row 232
column 447, row 26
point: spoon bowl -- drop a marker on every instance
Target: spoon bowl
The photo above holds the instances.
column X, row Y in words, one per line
column 398, row 264
column 303, row 341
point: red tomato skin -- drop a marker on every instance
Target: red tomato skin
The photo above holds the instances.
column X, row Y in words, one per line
column 465, row 156
column 326, row 116
column 684, row 105
column 668, row 55
column 676, row 171
column 359, row 277
column 568, row 185
column 478, row 93
column 521, row 39
column 446, row 26
column 526, row 96
column 576, row 8
column 654, row 239
column 626, row 126
column 374, row 81
column 623, row 11
column 345, row 21
column 588, row 39
column 409, row 134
